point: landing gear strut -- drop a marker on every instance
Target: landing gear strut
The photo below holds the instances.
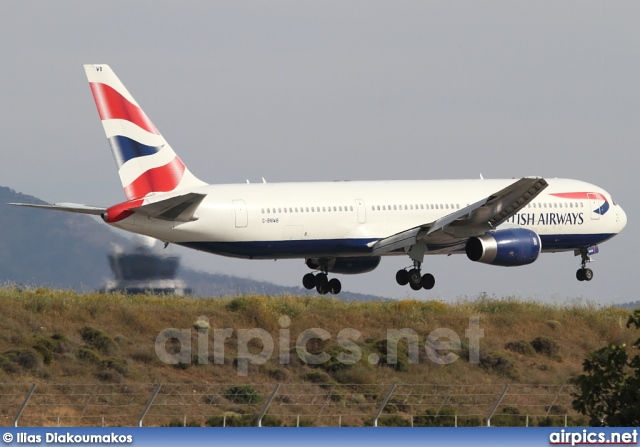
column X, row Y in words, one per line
column 414, row 278
column 584, row 273
column 321, row 283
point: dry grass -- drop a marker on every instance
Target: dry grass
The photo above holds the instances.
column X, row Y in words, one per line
column 47, row 332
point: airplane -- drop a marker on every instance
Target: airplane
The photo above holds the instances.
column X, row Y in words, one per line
column 340, row 227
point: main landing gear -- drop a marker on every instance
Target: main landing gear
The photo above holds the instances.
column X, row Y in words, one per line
column 415, row 279
column 583, row 273
column 321, row 283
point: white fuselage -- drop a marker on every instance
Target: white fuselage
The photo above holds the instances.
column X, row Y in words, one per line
column 344, row 218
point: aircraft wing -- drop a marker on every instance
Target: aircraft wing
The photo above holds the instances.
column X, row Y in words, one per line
column 473, row 220
column 69, row 207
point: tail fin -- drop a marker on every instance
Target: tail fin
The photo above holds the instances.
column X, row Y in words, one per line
column 146, row 163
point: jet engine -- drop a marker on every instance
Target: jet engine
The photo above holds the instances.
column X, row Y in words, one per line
column 512, row 247
column 346, row 266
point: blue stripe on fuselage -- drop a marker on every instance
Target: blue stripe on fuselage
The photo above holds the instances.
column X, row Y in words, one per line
column 359, row 247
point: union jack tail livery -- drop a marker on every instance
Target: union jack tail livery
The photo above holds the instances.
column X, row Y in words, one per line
column 146, row 163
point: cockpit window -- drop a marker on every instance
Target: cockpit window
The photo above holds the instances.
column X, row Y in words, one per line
column 614, row 202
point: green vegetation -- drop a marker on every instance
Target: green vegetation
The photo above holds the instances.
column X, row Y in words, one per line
column 609, row 389
column 62, row 337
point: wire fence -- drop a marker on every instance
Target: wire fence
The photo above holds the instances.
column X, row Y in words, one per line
column 305, row 404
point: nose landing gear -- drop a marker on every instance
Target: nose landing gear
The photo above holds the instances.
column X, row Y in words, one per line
column 584, row 273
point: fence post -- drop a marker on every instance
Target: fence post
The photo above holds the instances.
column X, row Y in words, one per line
column 149, row 402
column 384, row 403
column 24, row 404
column 495, row 407
column 267, row 403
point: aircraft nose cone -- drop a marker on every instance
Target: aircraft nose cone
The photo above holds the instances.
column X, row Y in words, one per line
column 622, row 218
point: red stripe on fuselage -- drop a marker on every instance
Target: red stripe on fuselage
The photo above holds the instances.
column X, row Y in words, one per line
column 161, row 179
column 112, row 105
column 578, row 195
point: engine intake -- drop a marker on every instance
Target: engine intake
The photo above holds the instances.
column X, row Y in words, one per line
column 507, row 248
column 346, row 266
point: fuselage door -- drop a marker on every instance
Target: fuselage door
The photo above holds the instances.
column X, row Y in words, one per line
column 595, row 206
column 240, row 209
column 362, row 212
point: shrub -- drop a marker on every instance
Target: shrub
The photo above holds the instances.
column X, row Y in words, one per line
column 45, row 347
column 509, row 417
column 8, row 366
column 500, row 363
column 546, row 346
column 443, row 418
column 243, row 394
column 107, row 375
column 520, row 347
column 88, row 355
column 27, row 358
column 393, row 421
column 98, row 339
column 175, row 422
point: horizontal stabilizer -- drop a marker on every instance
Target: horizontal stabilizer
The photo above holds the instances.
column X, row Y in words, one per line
column 177, row 209
column 69, row 207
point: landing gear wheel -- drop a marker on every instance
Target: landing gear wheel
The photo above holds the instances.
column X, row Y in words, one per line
column 428, row 281
column 588, row 274
column 334, row 286
column 580, row 275
column 309, row 281
column 415, row 286
column 322, row 283
column 414, row 278
column 402, row 277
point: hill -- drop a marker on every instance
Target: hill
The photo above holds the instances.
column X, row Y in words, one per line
column 54, row 337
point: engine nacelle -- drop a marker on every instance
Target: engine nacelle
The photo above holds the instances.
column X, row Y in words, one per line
column 512, row 247
column 346, row 266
